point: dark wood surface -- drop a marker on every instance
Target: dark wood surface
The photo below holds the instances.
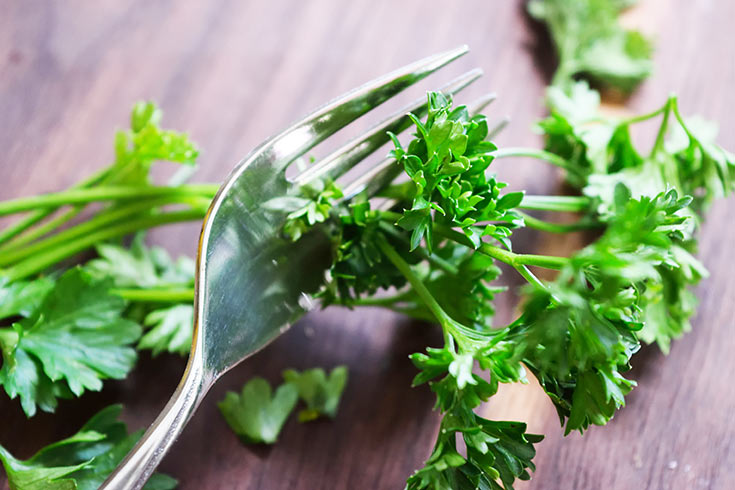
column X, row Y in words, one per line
column 233, row 72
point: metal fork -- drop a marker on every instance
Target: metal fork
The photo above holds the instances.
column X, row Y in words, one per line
column 251, row 283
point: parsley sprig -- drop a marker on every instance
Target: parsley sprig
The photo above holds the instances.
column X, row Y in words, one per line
column 81, row 461
column 590, row 42
column 437, row 243
column 65, row 332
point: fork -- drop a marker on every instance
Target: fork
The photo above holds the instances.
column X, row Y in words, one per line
column 251, row 283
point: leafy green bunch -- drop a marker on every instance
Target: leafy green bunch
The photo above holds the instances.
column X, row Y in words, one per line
column 599, row 152
column 81, row 461
column 591, row 43
column 64, row 332
column 447, row 162
column 578, row 333
column 428, row 249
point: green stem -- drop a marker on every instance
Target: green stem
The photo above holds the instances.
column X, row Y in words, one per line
column 384, row 301
column 22, row 225
column 510, row 258
column 414, row 280
column 529, row 276
column 538, row 224
column 176, row 295
column 35, row 264
column 572, row 204
column 644, row 117
column 42, row 230
column 545, row 261
column 677, row 114
column 112, row 193
column 102, row 219
column 659, row 144
column 534, row 153
column 8, row 338
column 431, row 258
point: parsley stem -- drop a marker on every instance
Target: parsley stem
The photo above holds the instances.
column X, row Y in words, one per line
column 174, row 295
column 384, row 301
column 677, row 114
column 538, row 224
column 38, row 263
column 430, row 257
column 17, row 228
column 571, row 204
column 415, row 281
column 529, row 276
column 104, row 218
column 111, row 193
column 644, row 117
column 8, row 338
column 510, row 258
column 546, row 156
column 663, row 129
column 42, row 230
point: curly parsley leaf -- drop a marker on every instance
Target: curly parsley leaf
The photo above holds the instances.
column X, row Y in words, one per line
column 313, row 206
column 447, row 163
column 80, row 462
column 320, row 392
column 578, row 333
column 600, row 152
column 137, row 149
column 591, row 43
column 497, row 453
column 76, row 338
column 358, row 266
column 256, row 414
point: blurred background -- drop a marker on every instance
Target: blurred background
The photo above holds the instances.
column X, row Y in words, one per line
column 231, row 73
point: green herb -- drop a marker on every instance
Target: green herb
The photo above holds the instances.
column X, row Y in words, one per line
column 600, row 152
column 171, row 330
column 433, row 249
column 162, row 292
column 64, row 333
column 446, row 162
column 257, row 415
column 320, row 392
column 73, row 340
column 81, row 461
column 130, row 202
column 436, row 245
column 591, row 43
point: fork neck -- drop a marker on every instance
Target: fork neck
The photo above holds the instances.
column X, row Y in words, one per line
column 141, row 462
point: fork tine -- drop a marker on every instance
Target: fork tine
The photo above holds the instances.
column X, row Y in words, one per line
column 385, row 171
column 479, row 104
column 314, row 128
column 346, row 157
column 498, row 127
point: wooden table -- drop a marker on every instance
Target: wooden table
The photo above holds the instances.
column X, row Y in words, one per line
column 233, row 72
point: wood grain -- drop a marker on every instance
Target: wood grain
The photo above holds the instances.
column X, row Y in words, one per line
column 233, row 72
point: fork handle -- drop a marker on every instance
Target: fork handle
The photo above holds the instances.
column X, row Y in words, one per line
column 138, row 466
